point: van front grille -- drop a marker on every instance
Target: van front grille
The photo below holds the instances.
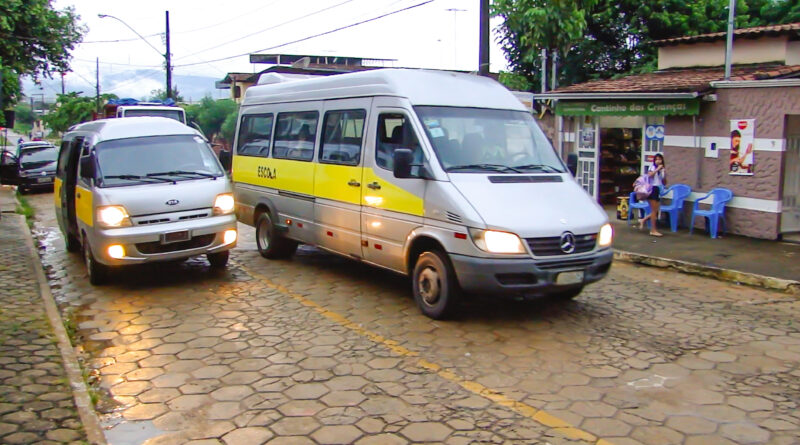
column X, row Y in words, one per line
column 195, row 216
column 565, row 264
column 156, row 247
column 152, row 221
column 551, row 246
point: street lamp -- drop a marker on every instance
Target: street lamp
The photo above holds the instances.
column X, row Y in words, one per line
column 166, row 56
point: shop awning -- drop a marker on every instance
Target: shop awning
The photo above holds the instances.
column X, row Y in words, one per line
column 656, row 107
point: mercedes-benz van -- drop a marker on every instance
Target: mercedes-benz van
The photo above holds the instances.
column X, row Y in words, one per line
column 441, row 176
column 142, row 189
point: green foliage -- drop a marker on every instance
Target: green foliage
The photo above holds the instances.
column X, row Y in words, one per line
column 23, row 114
column 210, row 114
column 161, row 94
column 70, row 109
column 229, row 126
column 514, row 82
column 36, row 40
column 607, row 38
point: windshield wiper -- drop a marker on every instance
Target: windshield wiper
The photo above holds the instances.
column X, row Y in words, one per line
column 493, row 167
column 545, row 167
column 135, row 178
column 182, row 173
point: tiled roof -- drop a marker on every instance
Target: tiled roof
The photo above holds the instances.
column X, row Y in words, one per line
column 680, row 80
column 772, row 30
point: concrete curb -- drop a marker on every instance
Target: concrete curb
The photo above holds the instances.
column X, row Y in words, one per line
column 735, row 276
column 91, row 424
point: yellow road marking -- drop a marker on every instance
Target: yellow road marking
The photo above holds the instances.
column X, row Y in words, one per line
column 539, row 416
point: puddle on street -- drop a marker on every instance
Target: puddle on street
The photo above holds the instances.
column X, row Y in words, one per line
column 129, row 433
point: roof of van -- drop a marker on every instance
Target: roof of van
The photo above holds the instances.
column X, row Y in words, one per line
column 420, row 87
column 131, row 127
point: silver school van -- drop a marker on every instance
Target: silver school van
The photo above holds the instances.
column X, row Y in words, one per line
column 441, row 176
column 143, row 189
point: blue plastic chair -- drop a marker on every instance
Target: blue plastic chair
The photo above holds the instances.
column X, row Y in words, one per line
column 674, row 209
column 717, row 211
column 643, row 206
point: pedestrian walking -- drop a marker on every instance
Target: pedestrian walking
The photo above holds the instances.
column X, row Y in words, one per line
column 657, row 175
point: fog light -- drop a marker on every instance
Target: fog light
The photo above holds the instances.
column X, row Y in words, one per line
column 229, row 236
column 116, row 251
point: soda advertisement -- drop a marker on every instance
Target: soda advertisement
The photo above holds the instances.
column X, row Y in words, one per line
column 742, row 160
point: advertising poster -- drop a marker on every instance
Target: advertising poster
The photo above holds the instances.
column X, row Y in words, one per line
column 742, row 139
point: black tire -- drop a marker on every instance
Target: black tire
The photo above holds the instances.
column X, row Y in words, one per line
column 73, row 244
column 218, row 260
column 568, row 294
column 22, row 190
column 271, row 244
column 98, row 273
column 435, row 285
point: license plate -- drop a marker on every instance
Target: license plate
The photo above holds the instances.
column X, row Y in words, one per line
column 175, row 237
column 572, row 277
column 43, row 179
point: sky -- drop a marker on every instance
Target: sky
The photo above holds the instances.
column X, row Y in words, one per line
column 213, row 38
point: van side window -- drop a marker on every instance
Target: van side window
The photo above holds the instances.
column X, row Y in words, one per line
column 255, row 133
column 63, row 158
column 394, row 131
column 342, row 133
column 295, row 135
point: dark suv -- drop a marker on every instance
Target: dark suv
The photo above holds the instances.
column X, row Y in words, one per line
column 33, row 166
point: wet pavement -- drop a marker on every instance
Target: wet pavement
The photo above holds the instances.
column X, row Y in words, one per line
column 36, row 400
column 319, row 349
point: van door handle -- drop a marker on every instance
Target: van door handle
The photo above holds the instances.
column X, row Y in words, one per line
column 374, row 185
column 354, row 183
column 77, row 195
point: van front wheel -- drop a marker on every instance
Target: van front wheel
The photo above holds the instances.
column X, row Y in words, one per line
column 270, row 244
column 98, row 273
column 435, row 285
column 73, row 244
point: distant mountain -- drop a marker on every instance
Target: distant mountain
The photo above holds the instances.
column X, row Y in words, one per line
column 128, row 83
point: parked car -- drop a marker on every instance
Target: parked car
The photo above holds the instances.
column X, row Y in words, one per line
column 33, row 166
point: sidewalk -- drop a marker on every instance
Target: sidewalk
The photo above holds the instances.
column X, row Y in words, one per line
column 771, row 264
column 36, row 390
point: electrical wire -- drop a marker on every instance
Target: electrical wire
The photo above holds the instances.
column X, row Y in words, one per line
column 268, row 29
column 312, row 36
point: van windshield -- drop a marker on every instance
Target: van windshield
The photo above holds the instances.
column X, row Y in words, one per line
column 176, row 114
column 135, row 161
column 477, row 140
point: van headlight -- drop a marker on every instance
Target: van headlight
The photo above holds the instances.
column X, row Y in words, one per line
column 223, row 204
column 113, row 216
column 605, row 236
column 493, row 241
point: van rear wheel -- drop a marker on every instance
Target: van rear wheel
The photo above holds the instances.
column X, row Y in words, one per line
column 98, row 273
column 435, row 285
column 270, row 244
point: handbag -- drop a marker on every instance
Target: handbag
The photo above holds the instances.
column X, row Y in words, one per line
column 642, row 187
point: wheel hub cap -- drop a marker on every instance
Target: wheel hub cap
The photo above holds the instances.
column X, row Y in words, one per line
column 429, row 286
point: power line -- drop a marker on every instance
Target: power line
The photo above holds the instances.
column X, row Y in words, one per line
column 313, row 36
column 121, row 40
column 268, row 29
column 118, row 64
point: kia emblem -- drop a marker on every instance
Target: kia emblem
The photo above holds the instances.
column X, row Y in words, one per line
column 172, row 202
column 567, row 242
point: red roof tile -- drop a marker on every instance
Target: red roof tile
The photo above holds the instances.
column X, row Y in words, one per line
column 680, row 80
column 772, row 30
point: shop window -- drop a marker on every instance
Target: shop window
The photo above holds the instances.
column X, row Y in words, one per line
column 620, row 161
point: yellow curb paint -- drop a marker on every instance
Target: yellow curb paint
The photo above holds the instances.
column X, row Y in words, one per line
column 540, row 416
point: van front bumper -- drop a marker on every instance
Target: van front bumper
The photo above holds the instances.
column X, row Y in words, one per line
column 527, row 276
column 144, row 244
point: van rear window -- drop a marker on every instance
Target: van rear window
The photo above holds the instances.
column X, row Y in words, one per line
column 255, row 134
column 295, row 135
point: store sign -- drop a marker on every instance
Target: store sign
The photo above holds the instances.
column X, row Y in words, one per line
column 628, row 108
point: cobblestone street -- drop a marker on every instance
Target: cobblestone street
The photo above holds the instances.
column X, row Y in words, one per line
column 320, row 349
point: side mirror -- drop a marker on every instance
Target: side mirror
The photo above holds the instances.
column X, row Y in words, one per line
column 226, row 159
column 402, row 162
column 572, row 163
column 87, row 167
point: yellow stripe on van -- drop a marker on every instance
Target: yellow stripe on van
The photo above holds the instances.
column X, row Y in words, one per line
column 83, row 205
column 390, row 196
column 57, row 192
column 332, row 182
column 281, row 174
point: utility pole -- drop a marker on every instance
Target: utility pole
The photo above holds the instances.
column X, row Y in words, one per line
column 729, row 42
column 544, row 70
column 169, row 65
column 554, row 74
column 97, row 86
column 62, row 82
column 483, row 48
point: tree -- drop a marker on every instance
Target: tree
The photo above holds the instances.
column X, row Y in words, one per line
column 161, row 94
column 228, row 129
column 36, row 40
column 210, row 114
column 618, row 35
column 71, row 109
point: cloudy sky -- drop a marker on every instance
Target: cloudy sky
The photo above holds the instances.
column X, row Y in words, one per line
column 212, row 38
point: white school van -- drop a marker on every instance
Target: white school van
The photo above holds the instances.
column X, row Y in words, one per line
column 440, row 176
